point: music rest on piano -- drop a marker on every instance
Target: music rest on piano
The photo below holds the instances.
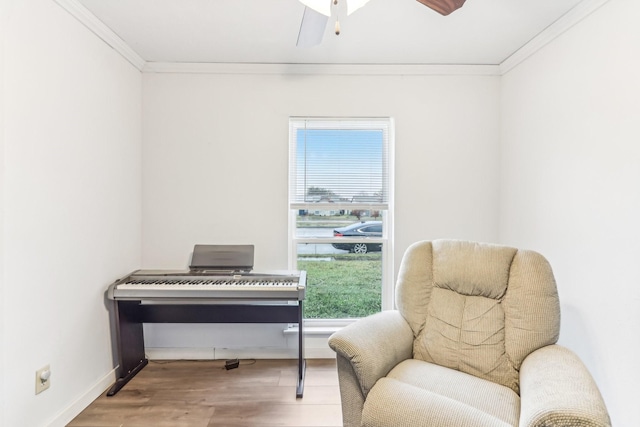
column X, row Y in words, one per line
column 204, row 294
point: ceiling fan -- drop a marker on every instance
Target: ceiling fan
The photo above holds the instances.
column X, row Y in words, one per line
column 317, row 13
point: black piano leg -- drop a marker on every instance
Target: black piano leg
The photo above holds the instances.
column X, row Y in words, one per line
column 130, row 340
column 302, row 364
column 122, row 381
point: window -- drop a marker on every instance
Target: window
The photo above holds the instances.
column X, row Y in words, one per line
column 340, row 214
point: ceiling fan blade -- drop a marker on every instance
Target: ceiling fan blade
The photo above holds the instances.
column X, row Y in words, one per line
column 312, row 28
column 443, row 7
column 320, row 6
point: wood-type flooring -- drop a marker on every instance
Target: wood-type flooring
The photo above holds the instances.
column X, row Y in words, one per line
column 260, row 393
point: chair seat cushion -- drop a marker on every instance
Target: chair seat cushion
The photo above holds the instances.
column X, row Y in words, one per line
column 418, row 393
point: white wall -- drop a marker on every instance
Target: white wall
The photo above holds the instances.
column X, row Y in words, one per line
column 570, row 188
column 72, row 189
column 215, row 159
column 4, row 13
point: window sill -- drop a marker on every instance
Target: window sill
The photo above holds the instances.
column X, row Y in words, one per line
column 319, row 327
column 313, row 330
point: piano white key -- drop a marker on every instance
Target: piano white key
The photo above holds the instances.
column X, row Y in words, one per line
column 203, row 286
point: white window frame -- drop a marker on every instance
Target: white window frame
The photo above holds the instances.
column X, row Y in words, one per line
column 388, row 285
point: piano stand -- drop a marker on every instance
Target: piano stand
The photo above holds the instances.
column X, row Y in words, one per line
column 130, row 315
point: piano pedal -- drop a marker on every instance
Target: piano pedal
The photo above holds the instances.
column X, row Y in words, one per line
column 231, row 364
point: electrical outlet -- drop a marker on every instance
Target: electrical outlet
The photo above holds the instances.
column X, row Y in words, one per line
column 43, row 379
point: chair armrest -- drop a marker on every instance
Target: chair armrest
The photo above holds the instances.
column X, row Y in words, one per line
column 557, row 389
column 374, row 345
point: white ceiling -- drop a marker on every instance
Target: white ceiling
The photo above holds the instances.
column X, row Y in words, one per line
column 484, row 32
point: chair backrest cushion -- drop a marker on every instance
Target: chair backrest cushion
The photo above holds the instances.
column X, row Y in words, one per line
column 476, row 307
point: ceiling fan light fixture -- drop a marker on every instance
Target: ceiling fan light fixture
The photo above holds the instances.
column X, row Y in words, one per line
column 315, row 17
column 324, row 6
column 443, row 7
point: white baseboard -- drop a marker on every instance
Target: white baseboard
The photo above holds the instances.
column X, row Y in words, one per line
column 71, row 411
column 316, row 347
column 182, row 353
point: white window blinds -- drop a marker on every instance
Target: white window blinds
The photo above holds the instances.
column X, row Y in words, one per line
column 341, row 163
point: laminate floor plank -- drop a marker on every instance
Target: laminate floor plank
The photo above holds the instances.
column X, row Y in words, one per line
column 251, row 415
column 259, row 393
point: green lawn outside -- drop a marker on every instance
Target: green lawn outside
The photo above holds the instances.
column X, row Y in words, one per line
column 347, row 286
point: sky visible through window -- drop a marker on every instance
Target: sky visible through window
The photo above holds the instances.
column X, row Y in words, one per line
column 348, row 163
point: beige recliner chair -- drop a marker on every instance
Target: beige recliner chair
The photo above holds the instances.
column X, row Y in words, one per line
column 471, row 344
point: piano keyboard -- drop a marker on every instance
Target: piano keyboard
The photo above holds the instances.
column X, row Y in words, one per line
column 213, row 284
column 245, row 286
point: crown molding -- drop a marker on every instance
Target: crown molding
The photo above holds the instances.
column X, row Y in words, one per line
column 323, row 69
column 553, row 31
column 564, row 23
column 96, row 26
